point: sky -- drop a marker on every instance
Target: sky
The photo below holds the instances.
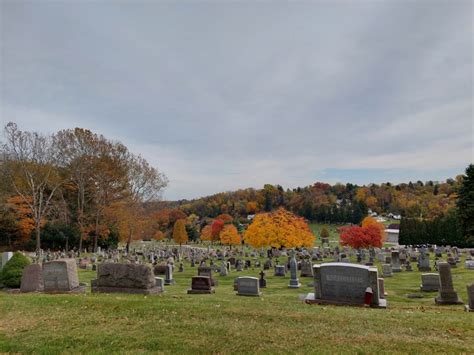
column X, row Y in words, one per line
column 227, row 95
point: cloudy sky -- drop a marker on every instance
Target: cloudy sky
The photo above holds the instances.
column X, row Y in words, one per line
column 221, row 96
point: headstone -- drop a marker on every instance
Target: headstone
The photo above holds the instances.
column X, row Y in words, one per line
column 429, row 282
column 160, row 283
column 181, row 267
column 280, row 270
column 262, row 282
column 60, row 276
column 5, row 257
column 470, row 298
column 381, row 287
column 469, row 264
column 223, row 269
column 387, row 270
column 267, row 265
column 207, row 271
column 201, row 285
column 424, row 262
column 447, row 294
column 248, row 286
column 306, row 268
column 294, row 281
column 169, row 275
column 346, row 284
column 160, row 269
column 396, row 261
column 32, row 279
column 125, row 278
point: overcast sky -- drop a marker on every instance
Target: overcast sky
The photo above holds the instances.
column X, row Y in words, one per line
column 221, row 96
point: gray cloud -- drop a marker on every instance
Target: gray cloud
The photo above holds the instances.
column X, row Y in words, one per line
column 221, row 96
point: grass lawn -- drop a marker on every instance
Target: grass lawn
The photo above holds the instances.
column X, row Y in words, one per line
column 277, row 322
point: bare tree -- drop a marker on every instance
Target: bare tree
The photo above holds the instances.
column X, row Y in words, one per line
column 145, row 184
column 31, row 165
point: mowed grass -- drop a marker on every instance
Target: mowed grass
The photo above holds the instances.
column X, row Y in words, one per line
column 277, row 322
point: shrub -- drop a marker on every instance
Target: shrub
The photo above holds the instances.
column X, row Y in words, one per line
column 10, row 276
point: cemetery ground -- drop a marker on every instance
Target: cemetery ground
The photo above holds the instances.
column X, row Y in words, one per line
column 277, row 322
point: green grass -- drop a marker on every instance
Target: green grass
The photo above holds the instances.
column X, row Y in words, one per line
column 277, row 322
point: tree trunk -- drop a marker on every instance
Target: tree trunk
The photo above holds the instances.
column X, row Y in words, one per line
column 129, row 240
column 38, row 235
column 96, row 233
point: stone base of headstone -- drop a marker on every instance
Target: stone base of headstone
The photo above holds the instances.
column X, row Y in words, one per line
column 79, row 289
column 448, row 298
column 169, row 282
column 294, row 284
column 310, row 299
column 467, row 309
column 200, row 292
column 249, row 295
column 133, row 291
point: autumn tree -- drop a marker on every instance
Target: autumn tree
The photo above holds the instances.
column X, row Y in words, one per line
column 229, row 235
column 206, row 233
column 25, row 223
column 361, row 237
column 251, row 207
column 80, row 148
column 279, row 229
column 179, row 232
column 324, row 234
column 226, row 218
column 216, row 228
column 158, row 235
column 31, row 165
column 145, row 184
column 371, row 221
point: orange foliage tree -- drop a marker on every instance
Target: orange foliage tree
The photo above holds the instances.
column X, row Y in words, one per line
column 280, row 228
column 179, row 232
column 370, row 221
column 159, row 235
column 229, row 235
column 206, row 233
column 24, row 220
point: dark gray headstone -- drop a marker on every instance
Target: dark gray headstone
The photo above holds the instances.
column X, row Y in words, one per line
column 32, row 279
column 447, row 294
column 125, row 278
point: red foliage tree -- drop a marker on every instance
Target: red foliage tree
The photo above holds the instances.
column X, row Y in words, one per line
column 361, row 237
column 216, row 228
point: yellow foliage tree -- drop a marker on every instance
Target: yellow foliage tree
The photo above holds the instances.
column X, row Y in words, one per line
column 179, row 232
column 279, row 229
column 229, row 235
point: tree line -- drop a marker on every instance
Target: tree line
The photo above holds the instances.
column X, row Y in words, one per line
column 73, row 182
column 456, row 227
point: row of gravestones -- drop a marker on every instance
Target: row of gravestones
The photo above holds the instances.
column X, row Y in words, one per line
column 338, row 283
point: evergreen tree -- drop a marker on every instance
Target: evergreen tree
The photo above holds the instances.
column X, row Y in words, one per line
column 465, row 205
